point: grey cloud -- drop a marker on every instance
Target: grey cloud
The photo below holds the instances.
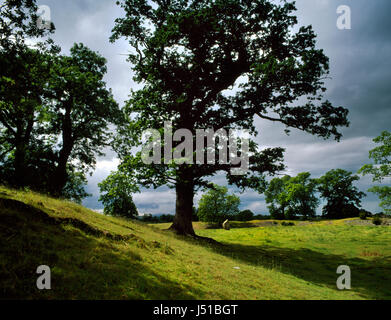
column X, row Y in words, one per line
column 360, row 80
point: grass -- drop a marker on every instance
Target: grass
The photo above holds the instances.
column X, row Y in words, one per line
column 98, row 257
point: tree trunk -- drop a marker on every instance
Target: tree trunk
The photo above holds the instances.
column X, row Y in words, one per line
column 22, row 139
column 184, row 209
column 20, row 165
column 60, row 175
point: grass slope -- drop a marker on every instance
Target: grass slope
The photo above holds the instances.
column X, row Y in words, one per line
column 97, row 257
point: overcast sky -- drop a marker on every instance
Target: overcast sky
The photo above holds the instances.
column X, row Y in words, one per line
column 360, row 74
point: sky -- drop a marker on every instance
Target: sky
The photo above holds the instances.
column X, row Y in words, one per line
column 360, row 80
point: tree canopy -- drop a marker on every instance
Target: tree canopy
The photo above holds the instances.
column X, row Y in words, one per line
column 217, row 205
column 381, row 169
column 245, row 215
column 219, row 64
column 116, row 196
column 55, row 109
column 289, row 197
column 343, row 198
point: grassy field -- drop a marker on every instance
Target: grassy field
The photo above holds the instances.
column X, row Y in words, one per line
column 97, row 257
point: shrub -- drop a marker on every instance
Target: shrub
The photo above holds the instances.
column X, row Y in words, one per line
column 363, row 215
column 377, row 221
column 287, row 224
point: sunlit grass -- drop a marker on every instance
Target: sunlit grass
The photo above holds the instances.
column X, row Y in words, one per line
column 146, row 262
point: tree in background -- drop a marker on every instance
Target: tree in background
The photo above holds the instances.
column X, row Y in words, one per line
column 275, row 196
column 343, row 198
column 23, row 78
column 81, row 110
column 55, row 116
column 23, row 83
column 381, row 169
column 217, row 205
column 74, row 188
column 301, row 196
column 245, row 215
column 188, row 55
column 116, row 196
column 292, row 196
column 55, row 110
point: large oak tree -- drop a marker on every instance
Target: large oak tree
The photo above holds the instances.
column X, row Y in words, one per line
column 343, row 198
column 219, row 64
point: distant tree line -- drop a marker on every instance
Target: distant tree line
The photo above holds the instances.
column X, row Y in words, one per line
column 287, row 197
column 290, row 197
column 149, row 218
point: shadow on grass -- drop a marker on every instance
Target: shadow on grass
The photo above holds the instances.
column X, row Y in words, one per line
column 369, row 278
column 87, row 268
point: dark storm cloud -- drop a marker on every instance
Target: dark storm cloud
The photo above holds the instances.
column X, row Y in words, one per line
column 359, row 60
column 360, row 75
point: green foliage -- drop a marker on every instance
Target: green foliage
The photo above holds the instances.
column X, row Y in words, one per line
column 74, row 188
column 166, row 218
column 287, row 224
column 377, row 221
column 18, row 22
column 187, row 54
column 116, row 196
column 245, row 215
column 342, row 197
column 363, row 215
column 23, row 80
column 344, row 211
column 384, row 194
column 217, row 205
column 289, row 197
column 55, row 109
column 149, row 218
column 55, row 113
column 262, row 217
column 82, row 110
column 381, row 169
column 23, row 84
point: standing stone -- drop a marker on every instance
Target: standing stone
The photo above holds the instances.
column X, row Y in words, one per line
column 226, row 225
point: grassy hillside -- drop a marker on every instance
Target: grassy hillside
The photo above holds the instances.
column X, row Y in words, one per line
column 97, row 257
